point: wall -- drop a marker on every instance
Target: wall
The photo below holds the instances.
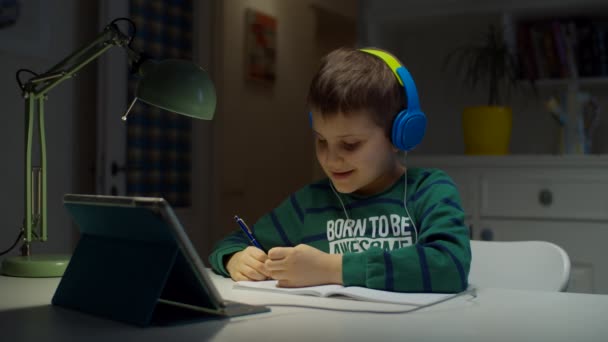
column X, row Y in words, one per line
column 262, row 141
column 197, row 219
column 262, row 148
column 38, row 51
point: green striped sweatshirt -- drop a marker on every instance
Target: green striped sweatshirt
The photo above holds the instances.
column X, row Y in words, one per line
column 381, row 248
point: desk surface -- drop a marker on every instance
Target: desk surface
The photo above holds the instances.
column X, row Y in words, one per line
column 494, row 315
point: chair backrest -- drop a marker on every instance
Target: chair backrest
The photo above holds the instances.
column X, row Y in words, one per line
column 529, row 265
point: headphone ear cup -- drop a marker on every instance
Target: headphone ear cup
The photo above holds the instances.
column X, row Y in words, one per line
column 408, row 129
column 310, row 119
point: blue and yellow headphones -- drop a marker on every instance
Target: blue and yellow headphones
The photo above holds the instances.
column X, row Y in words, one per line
column 409, row 125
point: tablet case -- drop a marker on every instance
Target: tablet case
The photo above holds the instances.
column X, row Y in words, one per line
column 128, row 266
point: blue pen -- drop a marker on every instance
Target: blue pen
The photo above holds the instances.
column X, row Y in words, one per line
column 248, row 232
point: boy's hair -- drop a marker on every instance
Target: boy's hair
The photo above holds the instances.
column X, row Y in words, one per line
column 351, row 80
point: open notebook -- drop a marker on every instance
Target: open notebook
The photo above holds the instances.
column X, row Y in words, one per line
column 354, row 292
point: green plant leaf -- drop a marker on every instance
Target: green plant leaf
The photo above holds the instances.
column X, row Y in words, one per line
column 486, row 62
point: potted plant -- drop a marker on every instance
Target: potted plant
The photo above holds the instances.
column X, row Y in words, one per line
column 487, row 62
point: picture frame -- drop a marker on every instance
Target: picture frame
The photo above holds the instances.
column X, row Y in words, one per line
column 261, row 46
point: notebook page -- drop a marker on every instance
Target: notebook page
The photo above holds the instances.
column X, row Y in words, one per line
column 418, row 299
column 354, row 292
column 271, row 285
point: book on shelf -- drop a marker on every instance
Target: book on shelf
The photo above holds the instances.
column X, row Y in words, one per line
column 353, row 292
column 526, row 57
column 601, row 50
column 567, row 47
column 586, row 55
column 559, row 39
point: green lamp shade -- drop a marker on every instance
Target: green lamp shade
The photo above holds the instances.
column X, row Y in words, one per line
column 178, row 86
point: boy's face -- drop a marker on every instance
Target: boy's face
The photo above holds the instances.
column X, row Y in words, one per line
column 355, row 153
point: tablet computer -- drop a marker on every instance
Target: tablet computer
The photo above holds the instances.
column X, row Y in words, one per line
column 135, row 263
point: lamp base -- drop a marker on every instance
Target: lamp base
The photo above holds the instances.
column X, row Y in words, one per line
column 36, row 266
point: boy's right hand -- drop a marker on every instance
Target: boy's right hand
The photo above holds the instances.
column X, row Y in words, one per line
column 248, row 264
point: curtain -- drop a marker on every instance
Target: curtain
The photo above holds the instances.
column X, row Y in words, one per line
column 159, row 142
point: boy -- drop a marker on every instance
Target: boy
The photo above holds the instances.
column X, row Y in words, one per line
column 355, row 228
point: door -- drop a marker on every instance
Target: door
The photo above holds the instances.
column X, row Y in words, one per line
column 111, row 105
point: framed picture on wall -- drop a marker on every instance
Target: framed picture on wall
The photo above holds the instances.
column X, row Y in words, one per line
column 261, row 46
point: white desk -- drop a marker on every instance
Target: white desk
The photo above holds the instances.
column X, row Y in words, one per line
column 494, row 315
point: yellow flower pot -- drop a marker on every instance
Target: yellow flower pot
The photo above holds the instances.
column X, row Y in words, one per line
column 486, row 129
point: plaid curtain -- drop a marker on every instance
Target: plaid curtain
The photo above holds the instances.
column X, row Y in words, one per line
column 159, row 142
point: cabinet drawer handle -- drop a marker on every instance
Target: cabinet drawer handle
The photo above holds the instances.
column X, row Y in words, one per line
column 545, row 197
column 487, row 234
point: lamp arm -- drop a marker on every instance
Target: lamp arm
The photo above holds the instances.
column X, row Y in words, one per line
column 34, row 92
column 110, row 36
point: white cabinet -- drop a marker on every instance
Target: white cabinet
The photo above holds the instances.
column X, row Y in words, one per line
column 561, row 199
column 543, row 193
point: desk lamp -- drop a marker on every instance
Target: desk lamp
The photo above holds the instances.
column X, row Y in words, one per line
column 175, row 85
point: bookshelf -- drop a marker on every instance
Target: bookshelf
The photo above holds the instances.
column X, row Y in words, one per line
column 566, row 52
column 560, row 46
column 513, row 13
column 421, row 33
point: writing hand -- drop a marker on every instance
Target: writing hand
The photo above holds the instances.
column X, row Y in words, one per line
column 248, row 264
column 303, row 265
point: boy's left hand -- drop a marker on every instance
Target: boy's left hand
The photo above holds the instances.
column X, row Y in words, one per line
column 303, row 265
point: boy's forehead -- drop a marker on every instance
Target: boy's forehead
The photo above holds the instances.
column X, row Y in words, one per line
column 343, row 124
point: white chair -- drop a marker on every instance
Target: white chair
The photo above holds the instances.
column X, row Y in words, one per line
column 529, row 265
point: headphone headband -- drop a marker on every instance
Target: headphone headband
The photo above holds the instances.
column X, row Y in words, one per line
column 391, row 61
column 409, row 125
column 403, row 76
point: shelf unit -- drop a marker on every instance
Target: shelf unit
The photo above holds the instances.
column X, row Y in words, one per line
column 420, row 32
column 552, row 38
column 592, row 10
